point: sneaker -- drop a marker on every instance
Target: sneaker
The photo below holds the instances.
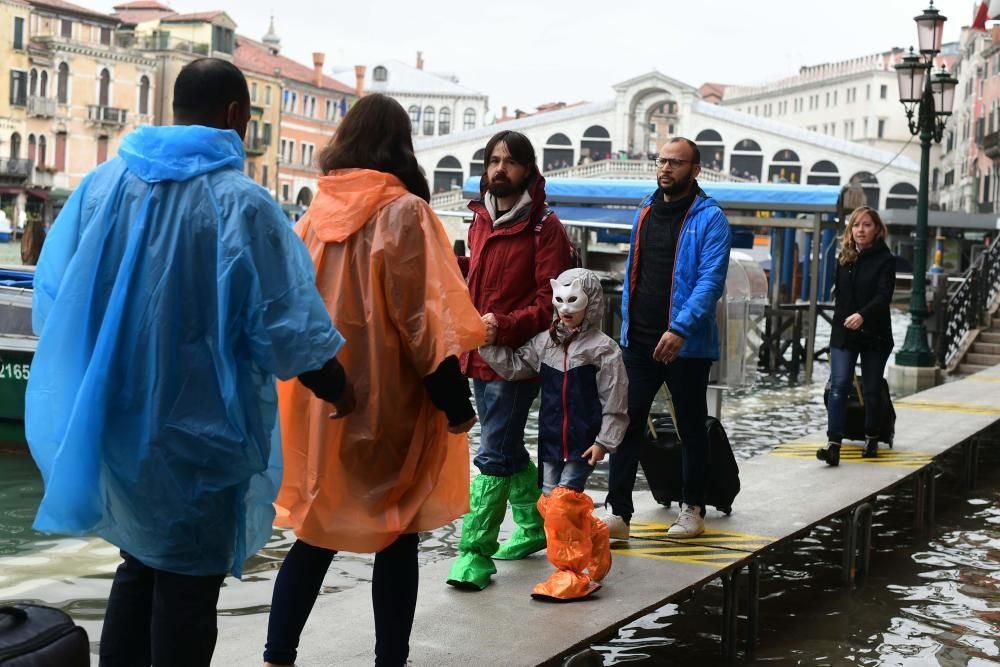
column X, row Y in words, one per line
column 689, row 523
column 617, row 526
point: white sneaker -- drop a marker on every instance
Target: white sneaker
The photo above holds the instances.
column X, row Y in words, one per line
column 617, row 528
column 689, row 523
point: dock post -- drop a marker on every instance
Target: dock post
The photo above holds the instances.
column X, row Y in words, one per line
column 932, row 475
column 753, row 603
column 919, row 499
column 970, row 463
column 730, row 609
column 850, row 549
column 864, row 514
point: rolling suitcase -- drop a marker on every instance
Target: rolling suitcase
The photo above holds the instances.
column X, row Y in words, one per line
column 854, row 421
column 661, row 463
column 36, row 636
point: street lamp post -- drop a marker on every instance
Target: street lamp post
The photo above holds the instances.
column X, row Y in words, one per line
column 929, row 96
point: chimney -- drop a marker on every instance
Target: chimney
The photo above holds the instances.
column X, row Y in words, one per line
column 420, row 59
column 318, row 59
column 359, row 80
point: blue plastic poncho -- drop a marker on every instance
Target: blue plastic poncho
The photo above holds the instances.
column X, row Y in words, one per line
column 170, row 291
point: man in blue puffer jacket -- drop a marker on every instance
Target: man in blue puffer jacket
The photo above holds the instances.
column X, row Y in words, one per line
column 675, row 273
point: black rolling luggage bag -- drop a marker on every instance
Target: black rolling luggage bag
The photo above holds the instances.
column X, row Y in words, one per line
column 661, row 464
column 854, row 421
column 36, row 636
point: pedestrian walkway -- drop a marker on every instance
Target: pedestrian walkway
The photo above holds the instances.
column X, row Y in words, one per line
column 785, row 494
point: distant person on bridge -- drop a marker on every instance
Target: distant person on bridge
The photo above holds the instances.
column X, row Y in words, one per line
column 169, row 293
column 675, row 273
column 516, row 246
column 583, row 416
column 863, row 284
column 399, row 464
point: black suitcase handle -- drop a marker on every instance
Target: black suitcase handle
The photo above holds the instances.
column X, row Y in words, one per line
column 20, row 615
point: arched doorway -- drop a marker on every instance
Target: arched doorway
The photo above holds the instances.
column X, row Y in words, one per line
column 785, row 167
column 447, row 174
column 596, row 143
column 104, row 93
column 870, row 184
column 823, row 172
column 713, row 150
column 661, row 125
column 747, row 161
column 902, row 195
column 557, row 153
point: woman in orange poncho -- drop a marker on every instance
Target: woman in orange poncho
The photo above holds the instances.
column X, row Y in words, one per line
column 399, row 463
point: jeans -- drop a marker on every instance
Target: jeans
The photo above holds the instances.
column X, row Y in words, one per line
column 394, row 598
column 570, row 474
column 842, row 362
column 687, row 380
column 155, row 617
column 503, row 411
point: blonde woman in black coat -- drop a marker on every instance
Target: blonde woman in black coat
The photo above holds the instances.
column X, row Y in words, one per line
column 866, row 276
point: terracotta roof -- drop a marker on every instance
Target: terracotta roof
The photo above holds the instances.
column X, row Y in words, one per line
column 143, row 4
column 256, row 57
column 195, row 17
column 63, row 6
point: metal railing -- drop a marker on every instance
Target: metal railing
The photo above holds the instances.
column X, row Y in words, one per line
column 969, row 305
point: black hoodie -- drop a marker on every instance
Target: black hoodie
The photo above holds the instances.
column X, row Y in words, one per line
column 865, row 286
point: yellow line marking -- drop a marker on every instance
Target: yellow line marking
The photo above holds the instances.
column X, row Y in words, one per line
column 852, row 454
column 984, row 378
column 696, row 555
column 946, row 406
column 710, row 534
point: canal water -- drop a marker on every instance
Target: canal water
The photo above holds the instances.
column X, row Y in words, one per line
column 931, row 598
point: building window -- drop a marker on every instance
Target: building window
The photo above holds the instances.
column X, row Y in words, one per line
column 43, row 85
column 62, row 84
column 61, row 151
column 267, row 96
column 32, row 147
column 429, row 121
column 144, row 95
column 102, row 150
column 253, row 91
column 222, row 39
column 33, row 82
column 329, row 109
column 414, row 118
column 380, row 73
column 284, row 192
column 469, row 119
column 881, row 127
column 312, row 107
column 883, row 92
column 251, row 170
column 15, row 146
column 263, row 176
column 18, row 32
column 18, row 88
column 267, row 134
column 104, row 94
column 305, row 153
column 42, row 145
column 106, row 36
column 66, row 28
column 444, row 121
column 868, row 91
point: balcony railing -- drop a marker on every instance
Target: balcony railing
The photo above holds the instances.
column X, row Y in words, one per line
column 164, row 42
column 15, row 169
column 102, row 115
column 41, row 107
column 255, row 146
column 991, row 145
column 41, row 178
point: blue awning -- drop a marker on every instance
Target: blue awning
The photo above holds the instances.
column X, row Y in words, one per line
column 596, row 192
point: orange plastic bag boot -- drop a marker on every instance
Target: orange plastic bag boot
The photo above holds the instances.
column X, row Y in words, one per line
column 600, row 557
column 569, row 548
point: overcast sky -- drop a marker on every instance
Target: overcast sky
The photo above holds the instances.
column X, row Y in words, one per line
column 524, row 53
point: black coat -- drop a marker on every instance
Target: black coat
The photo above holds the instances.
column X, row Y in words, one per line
column 865, row 286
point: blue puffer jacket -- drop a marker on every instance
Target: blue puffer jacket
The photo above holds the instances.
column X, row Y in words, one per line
column 701, row 261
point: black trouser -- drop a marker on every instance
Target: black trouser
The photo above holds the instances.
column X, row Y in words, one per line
column 394, row 597
column 687, row 380
column 155, row 617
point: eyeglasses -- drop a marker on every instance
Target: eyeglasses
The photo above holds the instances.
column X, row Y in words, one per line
column 673, row 163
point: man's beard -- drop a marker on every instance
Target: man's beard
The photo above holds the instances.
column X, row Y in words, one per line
column 678, row 187
column 504, row 188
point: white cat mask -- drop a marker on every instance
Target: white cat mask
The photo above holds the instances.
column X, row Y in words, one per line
column 569, row 299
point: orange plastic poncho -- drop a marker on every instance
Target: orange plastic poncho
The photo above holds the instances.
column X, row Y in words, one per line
column 389, row 278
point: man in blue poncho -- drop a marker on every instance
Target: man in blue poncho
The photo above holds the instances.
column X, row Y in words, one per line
column 170, row 292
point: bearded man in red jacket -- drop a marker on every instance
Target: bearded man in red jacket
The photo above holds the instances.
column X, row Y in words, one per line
column 516, row 245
